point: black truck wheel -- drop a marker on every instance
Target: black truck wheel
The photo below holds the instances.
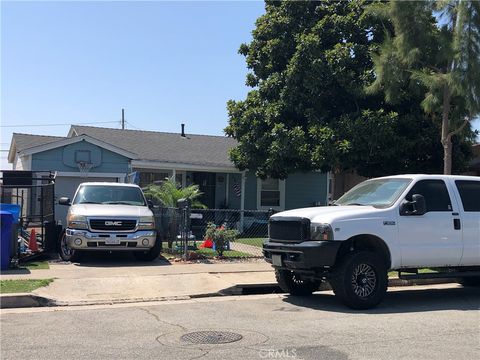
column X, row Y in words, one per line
column 295, row 284
column 66, row 252
column 360, row 280
column 470, row 281
column 151, row 254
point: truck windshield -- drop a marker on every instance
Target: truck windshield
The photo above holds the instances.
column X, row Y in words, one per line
column 103, row 194
column 379, row 193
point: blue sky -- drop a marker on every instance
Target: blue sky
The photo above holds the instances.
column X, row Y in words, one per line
column 166, row 63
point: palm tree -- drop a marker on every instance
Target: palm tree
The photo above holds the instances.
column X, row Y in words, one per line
column 168, row 193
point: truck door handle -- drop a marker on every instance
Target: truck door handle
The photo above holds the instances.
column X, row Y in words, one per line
column 456, row 224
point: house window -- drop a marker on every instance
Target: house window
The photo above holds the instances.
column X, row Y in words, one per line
column 271, row 194
column 179, row 179
column 147, row 178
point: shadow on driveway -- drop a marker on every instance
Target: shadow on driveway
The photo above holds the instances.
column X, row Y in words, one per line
column 400, row 301
column 116, row 259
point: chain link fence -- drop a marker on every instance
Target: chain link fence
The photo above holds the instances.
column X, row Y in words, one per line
column 183, row 230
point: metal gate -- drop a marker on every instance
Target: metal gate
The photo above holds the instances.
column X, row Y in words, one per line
column 34, row 192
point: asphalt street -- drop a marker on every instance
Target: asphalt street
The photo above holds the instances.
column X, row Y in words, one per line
column 431, row 322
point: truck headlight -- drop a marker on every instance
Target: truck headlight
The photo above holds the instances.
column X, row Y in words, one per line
column 146, row 223
column 321, row 232
column 77, row 222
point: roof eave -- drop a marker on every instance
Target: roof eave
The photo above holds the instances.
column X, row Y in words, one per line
column 153, row 164
column 72, row 140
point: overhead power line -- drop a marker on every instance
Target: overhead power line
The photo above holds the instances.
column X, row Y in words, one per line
column 88, row 123
column 133, row 126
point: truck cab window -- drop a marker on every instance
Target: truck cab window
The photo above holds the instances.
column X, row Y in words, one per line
column 435, row 193
column 469, row 194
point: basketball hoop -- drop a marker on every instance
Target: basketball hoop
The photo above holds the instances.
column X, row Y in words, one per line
column 84, row 167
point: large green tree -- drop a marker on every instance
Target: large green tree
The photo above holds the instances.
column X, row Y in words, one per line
column 310, row 63
column 435, row 54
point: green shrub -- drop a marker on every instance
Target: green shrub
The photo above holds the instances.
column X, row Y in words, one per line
column 220, row 236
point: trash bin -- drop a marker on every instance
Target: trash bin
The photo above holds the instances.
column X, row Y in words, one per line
column 14, row 209
column 6, row 219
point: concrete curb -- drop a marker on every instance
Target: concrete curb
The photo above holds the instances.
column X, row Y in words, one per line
column 22, row 300
column 26, row 300
column 248, row 289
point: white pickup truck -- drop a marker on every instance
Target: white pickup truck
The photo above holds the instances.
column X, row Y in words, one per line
column 401, row 223
column 112, row 217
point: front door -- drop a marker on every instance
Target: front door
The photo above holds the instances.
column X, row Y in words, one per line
column 431, row 239
column 206, row 182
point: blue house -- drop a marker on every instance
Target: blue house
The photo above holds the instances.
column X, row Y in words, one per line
column 106, row 154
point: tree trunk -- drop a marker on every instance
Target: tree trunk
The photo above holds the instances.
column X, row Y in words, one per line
column 446, row 137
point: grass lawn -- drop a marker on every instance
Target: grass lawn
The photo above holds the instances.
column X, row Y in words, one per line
column 251, row 241
column 35, row 265
column 22, row 286
column 209, row 253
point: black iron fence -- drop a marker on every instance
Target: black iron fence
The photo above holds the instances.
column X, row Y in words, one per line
column 34, row 193
column 184, row 230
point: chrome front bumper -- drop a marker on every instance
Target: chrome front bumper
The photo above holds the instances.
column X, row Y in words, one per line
column 87, row 240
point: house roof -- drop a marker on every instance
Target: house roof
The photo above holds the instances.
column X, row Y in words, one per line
column 202, row 150
column 30, row 144
column 21, row 142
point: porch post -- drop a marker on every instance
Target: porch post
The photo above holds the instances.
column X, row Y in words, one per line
column 174, row 174
column 227, row 188
column 242, row 200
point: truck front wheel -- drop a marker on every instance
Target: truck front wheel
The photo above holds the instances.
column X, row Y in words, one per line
column 295, row 284
column 470, row 281
column 66, row 252
column 360, row 279
column 151, row 254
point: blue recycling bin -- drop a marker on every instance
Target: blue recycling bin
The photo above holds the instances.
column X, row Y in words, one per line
column 6, row 218
column 14, row 209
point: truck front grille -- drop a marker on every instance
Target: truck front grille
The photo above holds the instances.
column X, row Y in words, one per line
column 289, row 229
column 112, row 224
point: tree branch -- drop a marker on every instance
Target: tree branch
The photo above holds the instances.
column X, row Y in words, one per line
column 459, row 129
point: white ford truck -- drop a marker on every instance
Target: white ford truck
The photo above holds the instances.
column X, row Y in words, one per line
column 402, row 223
column 112, row 217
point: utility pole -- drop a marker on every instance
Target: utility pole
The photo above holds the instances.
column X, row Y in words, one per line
column 123, row 119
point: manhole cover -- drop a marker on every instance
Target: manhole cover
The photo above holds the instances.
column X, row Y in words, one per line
column 211, row 337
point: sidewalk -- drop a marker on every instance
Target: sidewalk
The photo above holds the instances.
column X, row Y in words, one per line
column 109, row 282
column 81, row 284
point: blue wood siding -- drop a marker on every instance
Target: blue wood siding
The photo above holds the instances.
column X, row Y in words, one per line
column 303, row 189
column 63, row 159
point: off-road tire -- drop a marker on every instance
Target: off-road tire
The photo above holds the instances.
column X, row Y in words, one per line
column 295, row 284
column 360, row 279
column 151, row 254
column 66, row 253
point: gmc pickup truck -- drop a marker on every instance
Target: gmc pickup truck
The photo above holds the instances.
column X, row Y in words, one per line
column 402, row 223
column 112, row 217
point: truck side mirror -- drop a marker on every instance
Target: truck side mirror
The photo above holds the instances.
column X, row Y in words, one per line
column 64, row 201
column 419, row 204
column 150, row 204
